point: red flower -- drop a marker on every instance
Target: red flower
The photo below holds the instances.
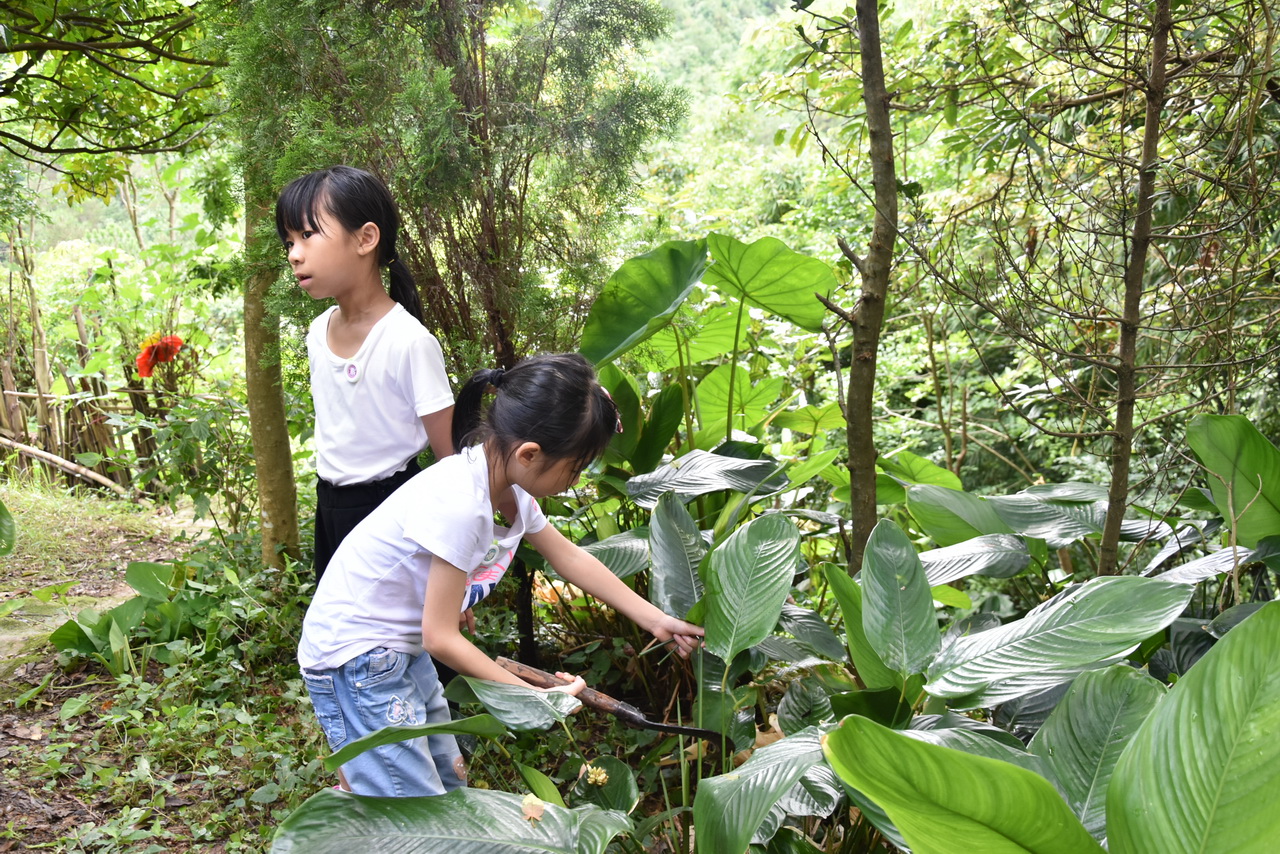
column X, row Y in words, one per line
column 157, row 349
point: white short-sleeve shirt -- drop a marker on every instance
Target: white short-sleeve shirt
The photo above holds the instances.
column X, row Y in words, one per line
column 369, row 407
column 374, row 589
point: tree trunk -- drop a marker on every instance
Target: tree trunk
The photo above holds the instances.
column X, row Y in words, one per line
column 868, row 315
column 277, row 493
column 1134, row 276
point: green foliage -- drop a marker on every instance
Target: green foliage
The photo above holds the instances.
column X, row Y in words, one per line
column 8, row 531
column 1244, row 473
column 466, row 820
column 942, row 799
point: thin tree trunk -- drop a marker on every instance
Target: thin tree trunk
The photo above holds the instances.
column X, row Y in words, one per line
column 1131, row 320
column 268, row 426
column 868, row 316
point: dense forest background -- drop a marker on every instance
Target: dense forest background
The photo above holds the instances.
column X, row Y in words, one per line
column 974, row 303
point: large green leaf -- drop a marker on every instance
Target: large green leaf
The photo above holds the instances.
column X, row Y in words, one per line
column 748, row 581
column 699, row 333
column 870, row 668
column 517, row 706
column 625, row 554
column 913, row 468
column 728, row 809
column 640, row 297
column 897, row 614
column 751, row 398
column 1216, row 563
column 609, row 783
column 1058, row 523
column 465, row 821
column 944, row 801
column 1244, row 473
column 769, row 275
column 486, row 726
column 995, row 555
column 700, row 472
column 810, row 419
column 1071, row 633
column 677, row 548
column 1084, row 736
column 951, row 516
column 1203, row 772
column 665, row 411
column 158, row 581
column 622, row 389
column 811, row 631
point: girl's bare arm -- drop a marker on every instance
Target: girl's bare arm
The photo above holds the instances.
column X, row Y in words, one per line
column 443, row 640
column 579, row 568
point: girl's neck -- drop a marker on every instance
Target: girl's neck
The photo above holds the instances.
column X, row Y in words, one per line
column 499, row 482
column 365, row 302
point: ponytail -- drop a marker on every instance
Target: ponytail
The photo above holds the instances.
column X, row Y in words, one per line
column 555, row 401
column 468, row 406
column 404, row 289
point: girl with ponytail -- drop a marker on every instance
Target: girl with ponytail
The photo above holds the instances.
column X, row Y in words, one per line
column 388, row 610
column 377, row 375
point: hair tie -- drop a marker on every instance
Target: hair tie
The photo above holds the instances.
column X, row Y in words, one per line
column 495, row 377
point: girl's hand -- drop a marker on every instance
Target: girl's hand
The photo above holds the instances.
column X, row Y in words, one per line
column 467, row 621
column 685, row 636
column 573, row 689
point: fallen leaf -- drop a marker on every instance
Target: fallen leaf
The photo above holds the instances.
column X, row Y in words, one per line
column 30, row 733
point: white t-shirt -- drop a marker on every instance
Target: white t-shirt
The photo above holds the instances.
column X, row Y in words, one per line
column 373, row 591
column 369, row 408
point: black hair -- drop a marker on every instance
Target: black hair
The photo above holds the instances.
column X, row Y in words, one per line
column 352, row 197
column 554, row 400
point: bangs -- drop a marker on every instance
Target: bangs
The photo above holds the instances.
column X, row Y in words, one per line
column 301, row 203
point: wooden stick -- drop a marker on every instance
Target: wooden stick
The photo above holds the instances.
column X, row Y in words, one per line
column 64, row 464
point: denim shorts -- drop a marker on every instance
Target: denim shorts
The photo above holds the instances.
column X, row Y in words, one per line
column 382, row 688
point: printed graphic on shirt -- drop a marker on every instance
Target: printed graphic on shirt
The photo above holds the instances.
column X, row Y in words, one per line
column 485, row 577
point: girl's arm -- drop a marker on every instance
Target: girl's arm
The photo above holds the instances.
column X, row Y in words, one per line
column 439, row 426
column 442, row 639
column 579, row 568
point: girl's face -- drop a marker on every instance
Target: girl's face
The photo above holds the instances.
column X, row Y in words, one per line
column 326, row 258
column 539, row 479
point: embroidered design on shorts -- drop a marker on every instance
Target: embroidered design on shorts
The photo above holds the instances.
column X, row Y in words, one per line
column 400, row 711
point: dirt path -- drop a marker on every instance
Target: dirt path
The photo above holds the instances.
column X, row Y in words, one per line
column 72, row 552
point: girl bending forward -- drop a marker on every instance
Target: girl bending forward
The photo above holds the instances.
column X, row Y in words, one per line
column 389, row 606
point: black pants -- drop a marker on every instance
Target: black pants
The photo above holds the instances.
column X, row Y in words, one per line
column 340, row 508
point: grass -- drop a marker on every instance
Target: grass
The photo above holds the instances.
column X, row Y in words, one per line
column 204, row 748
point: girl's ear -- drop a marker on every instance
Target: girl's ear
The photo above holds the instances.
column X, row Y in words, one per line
column 368, row 236
column 527, row 453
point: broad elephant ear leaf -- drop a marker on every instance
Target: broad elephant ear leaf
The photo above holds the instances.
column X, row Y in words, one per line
column 769, row 275
column 1203, row 772
column 465, row 821
column 898, row 616
column 1083, row 737
column 1244, row 469
column 640, row 298
column 943, row 800
column 678, row 549
column 700, row 472
column 728, row 809
column 748, row 581
column 1077, row 630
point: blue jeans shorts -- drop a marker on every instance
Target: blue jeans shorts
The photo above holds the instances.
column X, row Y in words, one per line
column 382, row 688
